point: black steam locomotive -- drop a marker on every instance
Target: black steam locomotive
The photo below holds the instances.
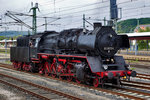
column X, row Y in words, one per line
column 73, row 54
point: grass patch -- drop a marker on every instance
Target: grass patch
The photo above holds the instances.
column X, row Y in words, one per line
column 3, row 51
column 132, row 68
column 133, row 61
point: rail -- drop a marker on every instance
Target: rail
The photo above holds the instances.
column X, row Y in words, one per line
column 37, row 88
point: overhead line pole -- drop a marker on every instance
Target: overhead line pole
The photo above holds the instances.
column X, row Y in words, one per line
column 104, row 21
column 45, row 23
column 114, row 13
column 34, row 22
column 11, row 15
column 84, row 29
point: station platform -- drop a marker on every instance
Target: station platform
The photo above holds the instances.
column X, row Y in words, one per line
column 139, row 53
column 136, row 58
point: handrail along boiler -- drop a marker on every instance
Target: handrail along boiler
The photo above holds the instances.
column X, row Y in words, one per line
column 73, row 54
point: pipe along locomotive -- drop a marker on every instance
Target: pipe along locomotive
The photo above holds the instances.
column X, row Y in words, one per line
column 74, row 55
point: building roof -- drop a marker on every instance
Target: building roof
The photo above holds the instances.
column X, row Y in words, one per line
column 2, row 41
column 139, row 36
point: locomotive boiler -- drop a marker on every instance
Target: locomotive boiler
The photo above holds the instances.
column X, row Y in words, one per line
column 73, row 54
column 103, row 41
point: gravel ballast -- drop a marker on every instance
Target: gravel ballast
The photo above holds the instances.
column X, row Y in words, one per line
column 83, row 92
column 10, row 93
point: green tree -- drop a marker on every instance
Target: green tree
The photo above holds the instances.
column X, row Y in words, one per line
column 2, row 37
column 147, row 29
column 142, row 44
column 128, row 26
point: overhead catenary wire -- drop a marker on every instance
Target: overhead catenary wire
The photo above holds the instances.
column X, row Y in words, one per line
column 97, row 3
column 82, row 6
column 9, row 14
column 97, row 8
column 51, row 2
column 126, row 2
column 89, row 9
column 48, row 23
column 72, row 12
column 74, row 8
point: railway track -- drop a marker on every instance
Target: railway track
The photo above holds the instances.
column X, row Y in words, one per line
column 140, row 95
column 140, row 66
column 38, row 91
column 124, row 92
column 134, row 84
column 143, row 76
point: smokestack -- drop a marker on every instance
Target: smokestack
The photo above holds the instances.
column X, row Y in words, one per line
column 97, row 24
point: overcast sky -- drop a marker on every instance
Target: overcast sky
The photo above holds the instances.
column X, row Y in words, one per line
column 70, row 12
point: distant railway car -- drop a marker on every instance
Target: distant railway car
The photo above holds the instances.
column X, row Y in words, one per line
column 87, row 57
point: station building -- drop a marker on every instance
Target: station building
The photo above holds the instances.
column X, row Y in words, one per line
column 133, row 39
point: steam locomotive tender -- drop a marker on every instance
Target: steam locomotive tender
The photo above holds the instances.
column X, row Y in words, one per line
column 73, row 54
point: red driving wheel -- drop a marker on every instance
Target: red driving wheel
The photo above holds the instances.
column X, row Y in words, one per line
column 96, row 82
column 47, row 69
column 69, row 78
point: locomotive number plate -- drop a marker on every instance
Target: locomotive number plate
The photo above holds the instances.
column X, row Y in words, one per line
column 108, row 48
